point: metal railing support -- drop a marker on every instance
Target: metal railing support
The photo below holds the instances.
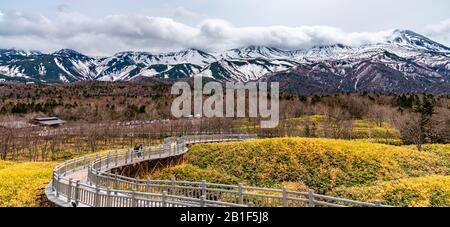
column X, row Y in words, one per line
column 202, row 201
column 285, row 197
column 172, row 188
column 204, row 187
column 108, row 197
column 77, row 192
column 53, row 181
column 116, row 183
column 133, row 199
column 107, row 159
column 311, row 198
column 57, row 185
column 240, row 194
column 97, row 197
column 163, row 199
column 148, row 186
column 136, row 185
column 69, row 190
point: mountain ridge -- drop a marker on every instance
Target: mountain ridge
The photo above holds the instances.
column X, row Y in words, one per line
column 406, row 61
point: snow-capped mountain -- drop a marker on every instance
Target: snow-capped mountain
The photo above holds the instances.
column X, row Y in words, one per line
column 404, row 62
column 63, row 66
column 127, row 65
column 245, row 69
column 8, row 55
column 256, row 52
column 412, row 40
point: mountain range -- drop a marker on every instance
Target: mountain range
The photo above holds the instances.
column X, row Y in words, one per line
column 404, row 62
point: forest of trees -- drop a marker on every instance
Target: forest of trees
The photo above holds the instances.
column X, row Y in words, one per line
column 96, row 111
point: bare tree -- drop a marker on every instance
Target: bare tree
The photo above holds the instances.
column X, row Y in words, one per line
column 6, row 136
column 410, row 129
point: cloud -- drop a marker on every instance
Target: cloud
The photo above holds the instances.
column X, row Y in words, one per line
column 62, row 7
column 110, row 34
column 20, row 24
column 182, row 13
column 440, row 31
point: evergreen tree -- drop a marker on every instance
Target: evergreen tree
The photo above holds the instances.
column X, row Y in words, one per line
column 425, row 109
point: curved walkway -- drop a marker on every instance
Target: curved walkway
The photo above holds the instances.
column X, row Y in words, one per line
column 88, row 182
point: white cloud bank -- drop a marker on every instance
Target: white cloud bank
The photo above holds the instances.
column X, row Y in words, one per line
column 440, row 31
column 115, row 33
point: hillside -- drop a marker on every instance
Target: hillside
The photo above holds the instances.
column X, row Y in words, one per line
column 323, row 165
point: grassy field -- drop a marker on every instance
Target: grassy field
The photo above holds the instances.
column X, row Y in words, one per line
column 22, row 184
column 356, row 169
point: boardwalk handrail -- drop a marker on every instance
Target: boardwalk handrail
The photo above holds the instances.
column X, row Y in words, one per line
column 101, row 188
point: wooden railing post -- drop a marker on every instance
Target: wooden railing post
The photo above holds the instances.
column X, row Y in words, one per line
column 57, row 185
column 240, row 194
column 136, row 185
column 108, row 197
column 202, row 200
column 173, row 188
column 116, row 183
column 163, row 199
column 204, row 187
column 90, row 177
column 97, row 197
column 53, row 181
column 285, row 197
column 133, row 199
column 77, row 192
column 126, row 157
column 311, row 198
column 116, row 159
column 107, row 159
column 148, row 186
column 69, row 190
column 75, row 166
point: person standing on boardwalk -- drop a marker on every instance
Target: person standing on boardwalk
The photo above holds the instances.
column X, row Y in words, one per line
column 140, row 151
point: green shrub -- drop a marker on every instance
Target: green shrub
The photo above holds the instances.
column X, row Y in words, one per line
column 424, row 191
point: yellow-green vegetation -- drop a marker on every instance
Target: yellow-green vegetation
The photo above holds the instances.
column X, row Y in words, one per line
column 441, row 150
column 21, row 184
column 412, row 192
column 189, row 172
column 369, row 129
column 362, row 128
column 321, row 164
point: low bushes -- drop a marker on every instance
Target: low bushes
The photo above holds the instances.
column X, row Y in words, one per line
column 320, row 164
column 413, row 192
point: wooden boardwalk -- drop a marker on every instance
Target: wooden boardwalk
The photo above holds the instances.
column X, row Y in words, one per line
column 88, row 181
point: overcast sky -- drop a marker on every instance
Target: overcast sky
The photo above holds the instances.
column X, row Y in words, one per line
column 104, row 27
